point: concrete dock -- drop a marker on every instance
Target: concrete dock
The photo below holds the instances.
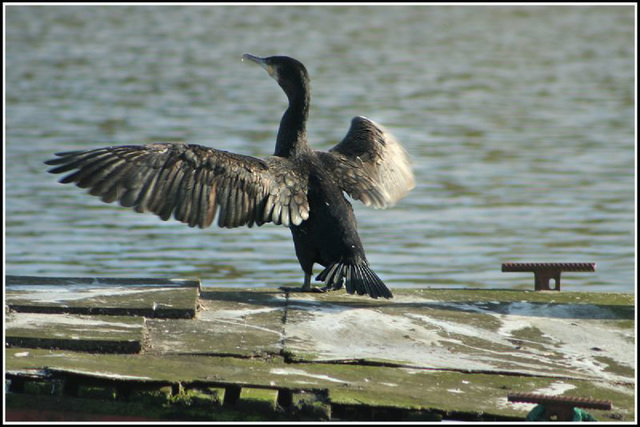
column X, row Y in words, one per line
column 162, row 349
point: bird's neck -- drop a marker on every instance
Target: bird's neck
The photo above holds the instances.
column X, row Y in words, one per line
column 292, row 135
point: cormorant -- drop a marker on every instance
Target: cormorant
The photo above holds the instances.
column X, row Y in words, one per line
column 297, row 186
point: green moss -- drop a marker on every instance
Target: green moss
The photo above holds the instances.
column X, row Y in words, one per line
column 97, row 391
column 256, row 400
column 202, row 397
column 626, row 324
column 532, row 337
column 51, row 387
column 235, row 360
column 615, row 367
column 166, row 298
column 308, row 405
column 508, row 295
column 151, row 395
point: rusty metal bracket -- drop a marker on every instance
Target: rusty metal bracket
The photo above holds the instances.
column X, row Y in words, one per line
column 545, row 272
column 560, row 407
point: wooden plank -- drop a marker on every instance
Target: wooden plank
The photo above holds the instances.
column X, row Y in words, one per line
column 149, row 297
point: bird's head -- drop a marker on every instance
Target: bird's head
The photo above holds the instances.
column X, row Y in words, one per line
column 290, row 74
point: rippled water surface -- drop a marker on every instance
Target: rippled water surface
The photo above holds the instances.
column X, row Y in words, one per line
column 519, row 120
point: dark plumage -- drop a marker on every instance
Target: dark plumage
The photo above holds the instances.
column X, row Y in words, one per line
column 297, row 187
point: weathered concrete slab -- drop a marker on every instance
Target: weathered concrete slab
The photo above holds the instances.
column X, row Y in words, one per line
column 568, row 335
column 231, row 322
column 356, row 387
column 426, row 354
column 104, row 334
column 163, row 298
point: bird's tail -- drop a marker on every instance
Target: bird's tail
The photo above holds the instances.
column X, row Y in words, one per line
column 356, row 277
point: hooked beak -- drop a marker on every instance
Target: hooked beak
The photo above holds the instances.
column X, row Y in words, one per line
column 262, row 62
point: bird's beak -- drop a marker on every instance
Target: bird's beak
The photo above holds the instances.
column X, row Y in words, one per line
column 260, row 61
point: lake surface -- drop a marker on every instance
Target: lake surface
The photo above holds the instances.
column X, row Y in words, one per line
column 519, row 121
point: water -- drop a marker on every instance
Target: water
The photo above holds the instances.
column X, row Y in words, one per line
column 519, row 120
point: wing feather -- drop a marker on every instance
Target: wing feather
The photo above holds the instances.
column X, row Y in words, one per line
column 191, row 182
column 370, row 164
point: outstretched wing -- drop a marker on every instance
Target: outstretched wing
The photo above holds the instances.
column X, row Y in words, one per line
column 191, row 182
column 370, row 164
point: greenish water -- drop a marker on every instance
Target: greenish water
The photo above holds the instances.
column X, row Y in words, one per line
column 519, row 120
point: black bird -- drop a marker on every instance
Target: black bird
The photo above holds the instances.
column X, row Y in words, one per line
column 297, row 187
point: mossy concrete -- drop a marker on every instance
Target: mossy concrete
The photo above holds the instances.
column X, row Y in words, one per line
column 89, row 391
column 47, row 387
column 151, row 394
column 231, row 322
column 258, row 400
column 526, row 333
column 106, row 334
column 310, row 405
column 261, row 354
column 163, row 298
column 408, row 389
column 206, row 397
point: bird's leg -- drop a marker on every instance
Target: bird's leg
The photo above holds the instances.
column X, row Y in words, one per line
column 306, row 286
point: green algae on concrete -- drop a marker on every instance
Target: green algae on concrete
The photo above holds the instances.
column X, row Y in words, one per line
column 527, row 333
column 426, row 354
column 152, row 394
column 357, row 386
column 448, row 393
column 309, row 405
column 163, row 298
column 258, row 400
column 96, row 391
column 232, row 322
column 50, row 387
column 106, row 334
column 379, row 385
column 205, row 396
